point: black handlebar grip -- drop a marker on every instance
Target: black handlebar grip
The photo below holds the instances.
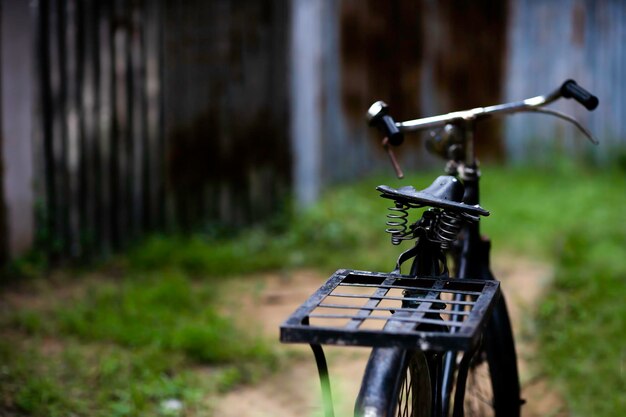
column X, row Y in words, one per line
column 378, row 116
column 570, row 89
column 391, row 130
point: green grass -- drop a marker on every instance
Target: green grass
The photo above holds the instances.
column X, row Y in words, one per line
column 577, row 221
column 532, row 210
column 346, row 227
column 123, row 345
column 583, row 322
column 101, row 380
column 162, row 310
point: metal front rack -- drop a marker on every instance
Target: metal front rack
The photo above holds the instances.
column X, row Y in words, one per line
column 362, row 308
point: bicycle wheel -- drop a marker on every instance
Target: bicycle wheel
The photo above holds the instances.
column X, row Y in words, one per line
column 396, row 383
column 400, row 382
column 492, row 387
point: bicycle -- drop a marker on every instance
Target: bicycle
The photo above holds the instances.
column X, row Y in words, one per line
column 444, row 343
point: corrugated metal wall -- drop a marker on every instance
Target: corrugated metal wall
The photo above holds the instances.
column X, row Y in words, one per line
column 173, row 115
column 97, row 136
column 157, row 115
column 226, row 110
column 421, row 57
column 431, row 57
column 550, row 42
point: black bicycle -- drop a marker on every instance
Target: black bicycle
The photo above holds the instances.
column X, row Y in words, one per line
column 442, row 339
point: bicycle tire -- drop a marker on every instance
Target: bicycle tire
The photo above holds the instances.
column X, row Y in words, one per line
column 496, row 365
column 396, row 383
column 498, row 354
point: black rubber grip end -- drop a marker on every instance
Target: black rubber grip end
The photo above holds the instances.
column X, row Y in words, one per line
column 378, row 116
column 388, row 126
column 571, row 89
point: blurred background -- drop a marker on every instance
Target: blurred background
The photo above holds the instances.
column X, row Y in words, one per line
column 152, row 148
column 125, row 117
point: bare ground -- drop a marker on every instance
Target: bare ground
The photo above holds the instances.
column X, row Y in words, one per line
column 295, row 390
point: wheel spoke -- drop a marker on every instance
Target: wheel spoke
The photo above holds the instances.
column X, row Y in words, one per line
column 479, row 392
column 414, row 393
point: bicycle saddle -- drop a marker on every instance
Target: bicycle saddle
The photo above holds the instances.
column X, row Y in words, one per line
column 445, row 192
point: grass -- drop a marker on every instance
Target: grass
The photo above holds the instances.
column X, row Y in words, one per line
column 532, row 210
column 583, row 322
column 125, row 345
column 100, row 379
column 576, row 220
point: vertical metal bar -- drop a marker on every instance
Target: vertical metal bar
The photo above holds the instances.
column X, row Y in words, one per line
column 143, row 120
column 137, row 111
column 17, row 125
column 58, row 72
column 46, row 216
column 72, row 117
column 306, row 92
column 449, row 360
column 372, row 302
column 121, row 139
column 153, row 104
column 160, row 165
column 84, row 95
column 106, row 106
column 461, row 380
column 322, row 369
column 118, row 155
column 89, row 187
column 125, row 111
column 470, row 154
column 435, row 365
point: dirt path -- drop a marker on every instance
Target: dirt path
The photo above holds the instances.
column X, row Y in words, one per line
column 295, row 391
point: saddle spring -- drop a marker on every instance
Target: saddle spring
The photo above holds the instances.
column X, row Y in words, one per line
column 447, row 227
column 397, row 223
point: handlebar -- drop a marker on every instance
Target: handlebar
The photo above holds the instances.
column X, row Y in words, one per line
column 378, row 113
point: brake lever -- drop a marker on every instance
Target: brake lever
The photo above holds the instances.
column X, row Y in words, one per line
column 567, row 117
column 392, row 158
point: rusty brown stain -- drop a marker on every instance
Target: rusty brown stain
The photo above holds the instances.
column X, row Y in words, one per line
column 578, row 24
column 382, row 45
column 381, row 52
column 230, row 162
column 199, row 162
column 470, row 62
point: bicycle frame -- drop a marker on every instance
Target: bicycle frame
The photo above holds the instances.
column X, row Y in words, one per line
column 471, row 261
column 471, row 254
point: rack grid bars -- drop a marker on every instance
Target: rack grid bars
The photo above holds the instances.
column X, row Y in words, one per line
column 363, row 308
